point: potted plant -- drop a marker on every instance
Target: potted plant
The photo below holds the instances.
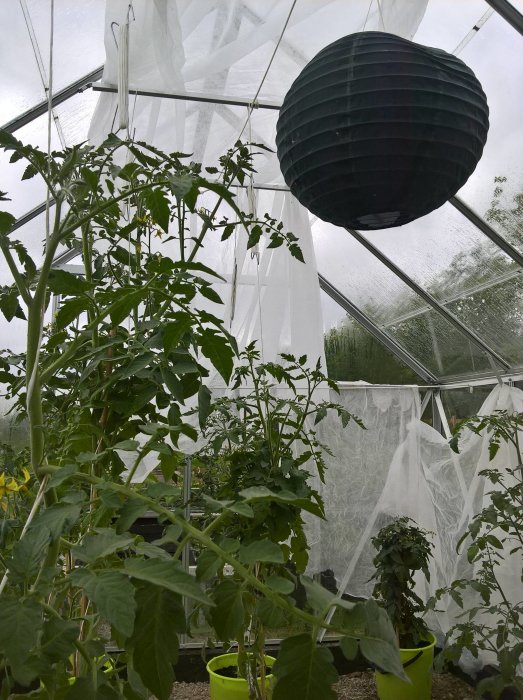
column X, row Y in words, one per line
column 402, row 550
column 491, row 622
column 110, row 373
column 262, row 445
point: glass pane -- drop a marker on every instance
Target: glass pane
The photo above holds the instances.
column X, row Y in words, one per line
column 333, row 315
column 75, row 116
column 314, row 25
column 20, row 83
column 446, row 23
column 495, row 57
column 78, row 46
column 450, row 258
column 495, row 313
column 25, row 194
column 353, row 354
column 392, row 305
column 460, row 404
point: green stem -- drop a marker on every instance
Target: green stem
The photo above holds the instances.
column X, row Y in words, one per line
column 106, row 205
column 510, row 611
column 208, row 530
column 141, row 455
column 61, row 360
column 73, row 347
column 206, row 226
column 33, row 380
column 204, row 540
column 17, row 276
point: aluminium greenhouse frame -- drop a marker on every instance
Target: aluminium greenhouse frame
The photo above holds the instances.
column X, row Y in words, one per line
column 501, row 368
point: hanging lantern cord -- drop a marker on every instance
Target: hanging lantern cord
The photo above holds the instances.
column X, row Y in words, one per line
column 254, row 103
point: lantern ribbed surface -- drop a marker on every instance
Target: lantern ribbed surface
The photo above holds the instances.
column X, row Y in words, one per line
column 377, row 131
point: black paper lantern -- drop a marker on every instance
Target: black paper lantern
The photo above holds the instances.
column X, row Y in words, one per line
column 377, row 131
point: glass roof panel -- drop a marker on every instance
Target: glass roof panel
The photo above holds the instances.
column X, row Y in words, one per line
column 450, row 258
column 358, row 275
column 78, row 45
column 75, row 116
column 353, row 354
column 439, row 345
column 446, row 23
column 314, row 25
column 495, row 56
column 20, row 83
column 495, row 314
column 26, row 194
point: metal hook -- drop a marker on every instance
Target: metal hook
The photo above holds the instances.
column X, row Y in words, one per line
column 130, row 9
column 113, row 25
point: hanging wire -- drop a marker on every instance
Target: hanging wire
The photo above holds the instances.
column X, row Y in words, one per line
column 122, row 48
column 255, row 254
column 382, row 21
column 252, row 202
column 49, row 124
column 473, row 32
column 368, row 13
column 40, row 63
column 123, row 78
column 32, row 379
column 254, row 104
column 250, row 188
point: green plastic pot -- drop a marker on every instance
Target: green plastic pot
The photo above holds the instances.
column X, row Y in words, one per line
column 232, row 688
column 417, row 664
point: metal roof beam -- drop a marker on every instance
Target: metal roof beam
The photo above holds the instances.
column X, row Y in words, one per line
column 431, row 301
column 509, row 13
column 480, row 379
column 485, row 228
column 61, row 96
column 191, row 97
column 31, row 215
column 380, row 335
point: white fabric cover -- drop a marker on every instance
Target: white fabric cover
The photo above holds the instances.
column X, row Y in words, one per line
column 218, row 47
column 402, row 466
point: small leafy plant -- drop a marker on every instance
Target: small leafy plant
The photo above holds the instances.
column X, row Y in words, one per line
column 403, row 549
column 492, row 617
column 265, row 443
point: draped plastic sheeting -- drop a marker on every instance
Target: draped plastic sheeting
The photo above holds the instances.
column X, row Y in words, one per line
column 402, row 466
column 356, row 477
column 271, row 298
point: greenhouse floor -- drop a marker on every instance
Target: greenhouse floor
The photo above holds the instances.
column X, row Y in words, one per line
column 353, row 686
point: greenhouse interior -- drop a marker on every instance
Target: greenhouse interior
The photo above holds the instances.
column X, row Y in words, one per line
column 261, row 376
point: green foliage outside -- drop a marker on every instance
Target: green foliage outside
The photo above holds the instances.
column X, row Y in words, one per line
column 353, row 354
